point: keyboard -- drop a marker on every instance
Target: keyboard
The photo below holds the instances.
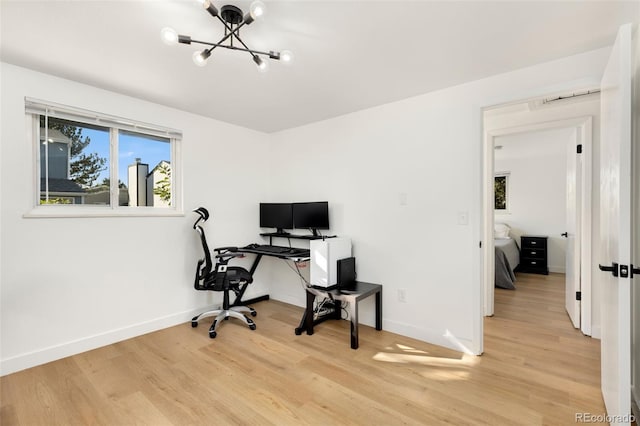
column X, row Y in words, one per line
column 290, row 251
column 273, row 249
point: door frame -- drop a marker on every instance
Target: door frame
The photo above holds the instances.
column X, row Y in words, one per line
column 584, row 127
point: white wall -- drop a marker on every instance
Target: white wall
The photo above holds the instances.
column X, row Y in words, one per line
column 537, row 167
column 71, row 284
column 429, row 149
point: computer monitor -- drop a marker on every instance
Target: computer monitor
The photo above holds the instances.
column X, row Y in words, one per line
column 276, row 215
column 313, row 216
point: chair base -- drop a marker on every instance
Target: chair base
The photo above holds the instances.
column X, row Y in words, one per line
column 222, row 314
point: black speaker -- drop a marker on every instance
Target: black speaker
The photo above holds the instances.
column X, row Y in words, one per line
column 347, row 273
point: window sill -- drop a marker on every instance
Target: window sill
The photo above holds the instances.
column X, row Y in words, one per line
column 87, row 212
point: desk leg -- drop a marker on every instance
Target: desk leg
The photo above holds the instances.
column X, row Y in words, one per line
column 306, row 323
column 309, row 313
column 302, row 325
column 379, row 310
column 238, row 300
column 353, row 315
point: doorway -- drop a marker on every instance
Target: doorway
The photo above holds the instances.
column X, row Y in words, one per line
column 574, row 115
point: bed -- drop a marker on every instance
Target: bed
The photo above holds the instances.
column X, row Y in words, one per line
column 507, row 256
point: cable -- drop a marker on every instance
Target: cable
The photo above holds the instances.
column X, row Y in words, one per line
column 303, row 281
column 343, row 307
column 319, row 304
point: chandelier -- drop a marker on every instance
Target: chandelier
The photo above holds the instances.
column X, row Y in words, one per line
column 233, row 20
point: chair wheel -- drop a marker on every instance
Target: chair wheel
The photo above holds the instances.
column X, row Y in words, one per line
column 194, row 324
column 213, row 334
column 254, row 313
column 298, row 331
column 252, row 326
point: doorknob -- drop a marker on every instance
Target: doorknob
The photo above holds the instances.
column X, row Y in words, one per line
column 613, row 269
column 564, row 234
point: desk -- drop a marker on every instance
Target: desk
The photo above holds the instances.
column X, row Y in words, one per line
column 300, row 256
column 361, row 291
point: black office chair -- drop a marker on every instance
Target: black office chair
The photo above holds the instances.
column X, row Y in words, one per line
column 220, row 277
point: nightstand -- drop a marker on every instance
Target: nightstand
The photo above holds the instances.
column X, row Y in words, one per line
column 533, row 254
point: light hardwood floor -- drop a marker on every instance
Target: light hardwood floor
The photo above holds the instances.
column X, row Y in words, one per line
column 536, row 369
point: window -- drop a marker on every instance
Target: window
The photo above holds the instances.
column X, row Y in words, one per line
column 87, row 159
column 501, row 191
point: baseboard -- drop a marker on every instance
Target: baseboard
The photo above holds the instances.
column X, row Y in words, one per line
column 52, row 353
column 595, row 332
column 446, row 340
column 557, row 269
column 291, row 300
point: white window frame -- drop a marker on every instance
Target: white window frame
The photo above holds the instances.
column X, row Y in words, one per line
column 507, row 195
column 35, row 108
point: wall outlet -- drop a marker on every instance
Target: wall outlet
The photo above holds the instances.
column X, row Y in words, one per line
column 402, row 295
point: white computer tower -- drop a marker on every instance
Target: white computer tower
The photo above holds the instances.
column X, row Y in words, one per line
column 324, row 260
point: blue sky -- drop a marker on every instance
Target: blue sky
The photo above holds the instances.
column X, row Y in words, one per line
column 130, row 147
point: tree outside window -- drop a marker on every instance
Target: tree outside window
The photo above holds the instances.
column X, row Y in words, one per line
column 75, row 165
column 501, row 191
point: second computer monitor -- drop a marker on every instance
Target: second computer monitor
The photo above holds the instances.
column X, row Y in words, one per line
column 276, row 215
column 313, row 215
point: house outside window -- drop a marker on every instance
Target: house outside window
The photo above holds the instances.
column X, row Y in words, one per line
column 112, row 165
column 501, row 192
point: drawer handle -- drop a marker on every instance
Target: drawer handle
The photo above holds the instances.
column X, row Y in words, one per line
column 533, row 242
column 534, row 263
column 533, row 252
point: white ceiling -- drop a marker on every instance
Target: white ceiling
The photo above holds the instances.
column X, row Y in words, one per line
column 350, row 55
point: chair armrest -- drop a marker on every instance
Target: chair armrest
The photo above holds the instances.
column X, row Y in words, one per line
column 226, row 249
column 228, row 255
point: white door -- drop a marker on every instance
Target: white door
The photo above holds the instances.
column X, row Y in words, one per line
column 615, row 229
column 572, row 264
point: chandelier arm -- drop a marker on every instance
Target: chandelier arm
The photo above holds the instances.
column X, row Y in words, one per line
column 232, row 31
column 236, row 33
column 246, row 49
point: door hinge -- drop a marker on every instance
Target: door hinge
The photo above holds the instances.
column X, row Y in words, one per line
column 480, row 244
column 579, row 148
column 578, row 295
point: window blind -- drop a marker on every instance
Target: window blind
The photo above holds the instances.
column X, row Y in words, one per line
column 50, row 109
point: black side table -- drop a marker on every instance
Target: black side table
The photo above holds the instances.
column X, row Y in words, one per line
column 361, row 291
column 533, row 254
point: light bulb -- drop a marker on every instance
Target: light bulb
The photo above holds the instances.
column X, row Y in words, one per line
column 200, row 58
column 209, row 7
column 286, row 56
column 169, row 36
column 257, row 9
column 263, row 66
